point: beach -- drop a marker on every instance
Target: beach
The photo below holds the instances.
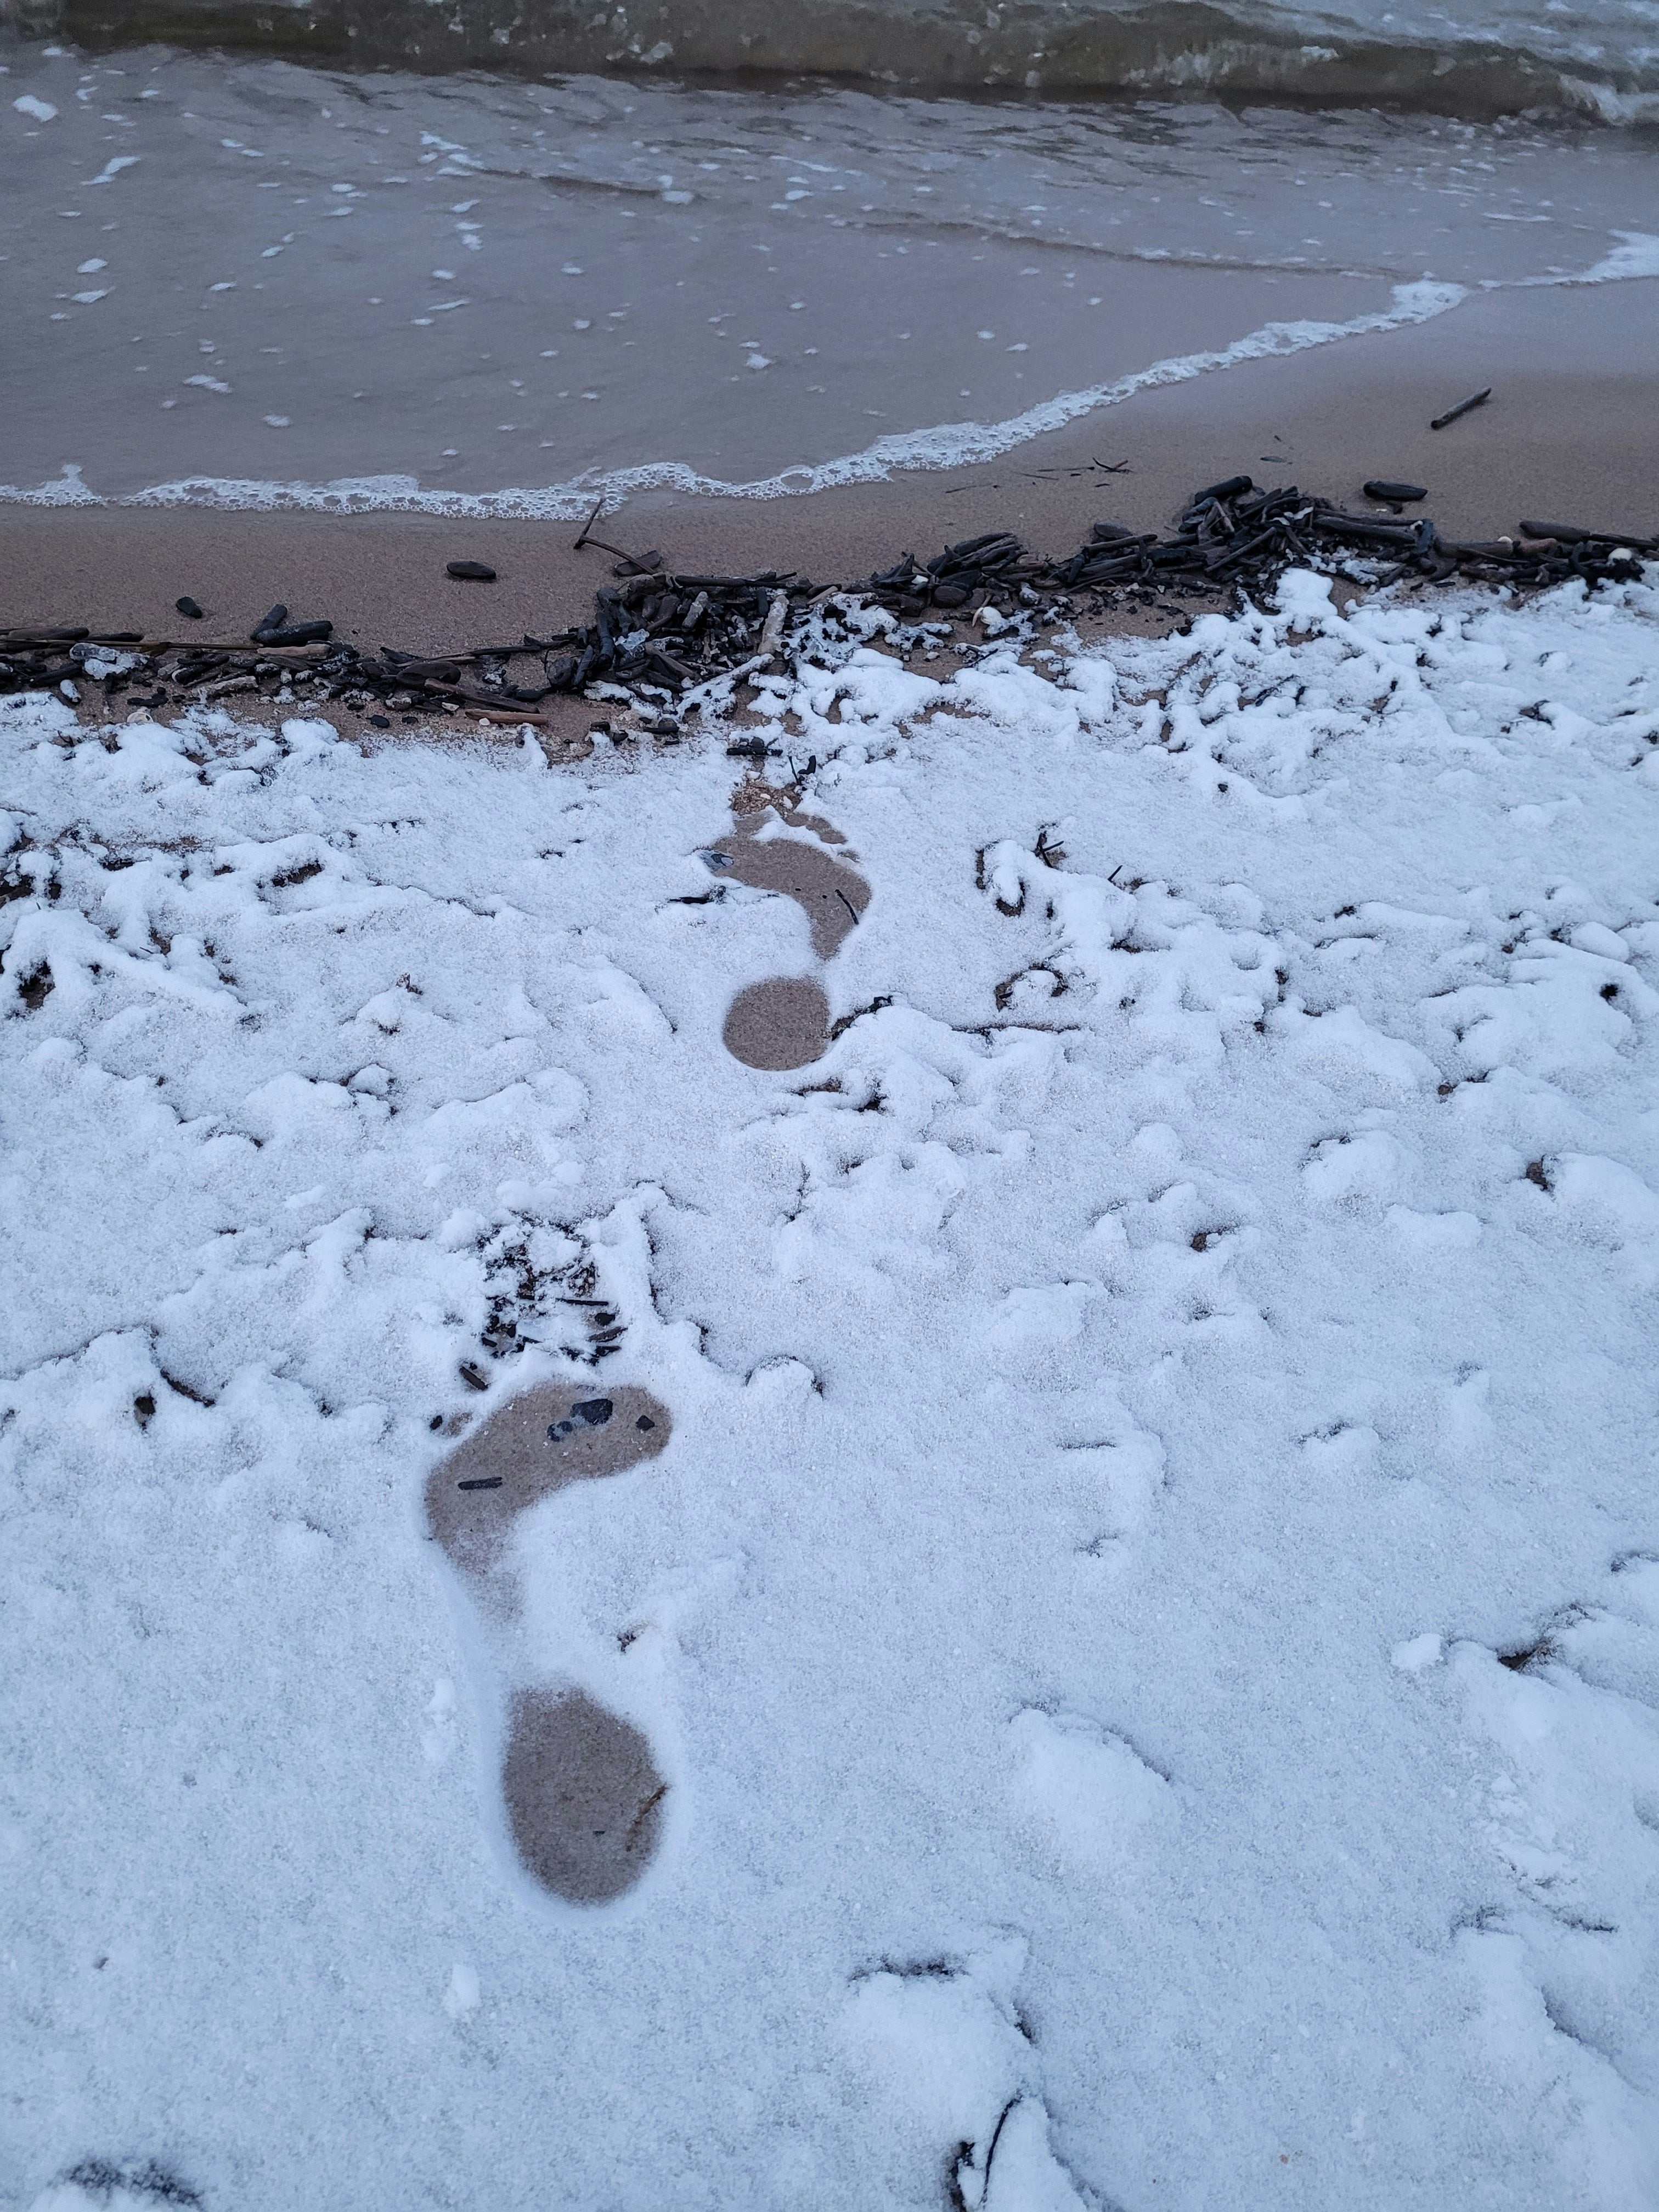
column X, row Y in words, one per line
column 825, row 1383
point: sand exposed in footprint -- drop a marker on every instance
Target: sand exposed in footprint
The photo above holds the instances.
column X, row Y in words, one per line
column 783, row 1023
column 583, row 1794
column 584, row 1797
column 831, row 895
column 535, row 1444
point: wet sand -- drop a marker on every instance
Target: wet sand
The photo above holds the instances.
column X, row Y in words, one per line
column 1566, row 437
column 537, row 1444
column 584, row 1797
column 830, row 895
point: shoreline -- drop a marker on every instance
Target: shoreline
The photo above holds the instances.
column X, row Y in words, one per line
column 1567, row 434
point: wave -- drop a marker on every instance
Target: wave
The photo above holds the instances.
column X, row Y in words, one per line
column 941, row 446
column 1599, row 59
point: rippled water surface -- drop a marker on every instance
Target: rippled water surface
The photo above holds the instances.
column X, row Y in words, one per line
column 232, row 274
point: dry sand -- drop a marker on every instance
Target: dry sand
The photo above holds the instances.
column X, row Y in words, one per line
column 1568, row 436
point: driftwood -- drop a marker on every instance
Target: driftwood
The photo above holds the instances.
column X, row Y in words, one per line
column 666, row 641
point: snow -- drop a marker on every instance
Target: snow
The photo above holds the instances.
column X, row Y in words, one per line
column 1149, row 1613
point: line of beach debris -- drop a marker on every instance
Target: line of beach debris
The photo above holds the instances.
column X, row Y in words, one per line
column 667, row 643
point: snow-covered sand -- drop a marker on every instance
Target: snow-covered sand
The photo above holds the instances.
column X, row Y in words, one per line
column 1135, row 1401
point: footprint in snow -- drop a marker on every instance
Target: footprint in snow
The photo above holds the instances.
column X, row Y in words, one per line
column 784, row 1022
column 584, row 1797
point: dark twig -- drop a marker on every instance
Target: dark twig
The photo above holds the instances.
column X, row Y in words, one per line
column 1463, row 407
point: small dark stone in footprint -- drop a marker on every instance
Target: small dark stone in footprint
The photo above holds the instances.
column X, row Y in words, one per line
column 590, row 1413
column 528, row 1449
column 784, row 1023
column 583, row 1795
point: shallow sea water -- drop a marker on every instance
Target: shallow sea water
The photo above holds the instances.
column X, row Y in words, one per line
column 251, row 282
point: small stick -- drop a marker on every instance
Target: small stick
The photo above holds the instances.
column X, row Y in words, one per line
column 645, row 564
column 772, row 630
column 727, row 676
column 1463, row 407
column 516, row 721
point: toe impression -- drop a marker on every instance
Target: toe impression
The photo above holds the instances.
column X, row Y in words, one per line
column 550, row 1436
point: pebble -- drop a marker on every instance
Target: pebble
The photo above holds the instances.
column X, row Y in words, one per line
column 188, row 606
column 587, row 1414
column 470, row 572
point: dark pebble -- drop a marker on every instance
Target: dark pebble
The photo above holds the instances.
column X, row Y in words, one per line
column 470, row 572
column 594, row 1411
column 274, row 620
column 380, row 722
column 189, row 607
column 1381, row 488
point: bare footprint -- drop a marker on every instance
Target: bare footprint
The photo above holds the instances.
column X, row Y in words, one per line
column 584, row 1797
column 784, row 1023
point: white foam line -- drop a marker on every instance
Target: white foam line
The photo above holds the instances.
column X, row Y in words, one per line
column 945, row 446
column 1639, row 255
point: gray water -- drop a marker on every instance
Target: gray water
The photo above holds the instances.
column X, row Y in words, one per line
column 239, row 280
column 1476, row 58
